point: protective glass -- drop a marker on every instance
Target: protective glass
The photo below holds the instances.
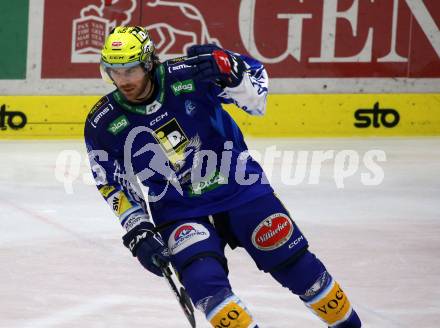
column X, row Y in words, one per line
column 110, row 74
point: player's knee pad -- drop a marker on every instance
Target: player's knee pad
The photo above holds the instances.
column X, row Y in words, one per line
column 226, row 310
column 204, row 277
column 300, row 274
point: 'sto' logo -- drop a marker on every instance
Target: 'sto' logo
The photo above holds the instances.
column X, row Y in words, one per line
column 12, row 119
column 387, row 117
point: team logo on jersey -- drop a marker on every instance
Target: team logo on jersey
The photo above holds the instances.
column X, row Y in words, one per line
column 173, row 141
column 186, row 235
column 180, row 87
column 190, row 108
column 272, row 232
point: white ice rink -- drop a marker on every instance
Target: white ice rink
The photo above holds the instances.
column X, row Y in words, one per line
column 62, row 263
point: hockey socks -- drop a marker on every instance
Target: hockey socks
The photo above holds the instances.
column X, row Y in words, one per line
column 228, row 311
column 308, row 278
column 328, row 301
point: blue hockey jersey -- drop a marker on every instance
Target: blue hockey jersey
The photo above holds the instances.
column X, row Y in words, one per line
column 180, row 154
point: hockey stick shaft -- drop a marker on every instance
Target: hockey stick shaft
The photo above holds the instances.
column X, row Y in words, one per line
column 182, row 297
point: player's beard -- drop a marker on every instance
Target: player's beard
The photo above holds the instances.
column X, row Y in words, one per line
column 140, row 92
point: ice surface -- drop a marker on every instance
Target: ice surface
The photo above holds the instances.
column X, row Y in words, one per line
column 62, row 263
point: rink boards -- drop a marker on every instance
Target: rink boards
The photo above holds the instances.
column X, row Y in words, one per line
column 310, row 115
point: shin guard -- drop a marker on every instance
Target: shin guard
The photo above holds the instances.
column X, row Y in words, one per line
column 225, row 310
column 328, row 301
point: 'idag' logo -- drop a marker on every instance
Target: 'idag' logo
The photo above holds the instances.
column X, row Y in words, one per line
column 387, row 117
column 186, row 86
column 12, row 119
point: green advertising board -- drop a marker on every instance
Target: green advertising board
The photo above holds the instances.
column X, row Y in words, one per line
column 14, row 33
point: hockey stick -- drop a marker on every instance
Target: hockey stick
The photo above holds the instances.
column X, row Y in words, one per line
column 181, row 295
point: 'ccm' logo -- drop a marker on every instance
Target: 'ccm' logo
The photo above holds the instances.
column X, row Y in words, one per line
column 158, row 119
column 296, row 242
column 365, row 117
column 137, row 239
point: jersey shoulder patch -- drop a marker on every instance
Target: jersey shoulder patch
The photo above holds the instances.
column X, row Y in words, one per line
column 99, row 110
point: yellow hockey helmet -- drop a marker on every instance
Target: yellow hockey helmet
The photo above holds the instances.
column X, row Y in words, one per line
column 127, row 46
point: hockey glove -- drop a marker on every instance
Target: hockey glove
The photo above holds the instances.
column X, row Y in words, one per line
column 148, row 247
column 211, row 63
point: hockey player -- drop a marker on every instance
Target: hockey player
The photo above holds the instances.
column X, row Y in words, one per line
column 164, row 128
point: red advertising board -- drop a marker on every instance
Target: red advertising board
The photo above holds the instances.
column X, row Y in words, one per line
column 293, row 38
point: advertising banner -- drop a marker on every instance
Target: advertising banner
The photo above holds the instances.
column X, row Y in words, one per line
column 14, row 33
column 367, row 115
column 374, row 65
column 44, row 117
column 294, row 39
